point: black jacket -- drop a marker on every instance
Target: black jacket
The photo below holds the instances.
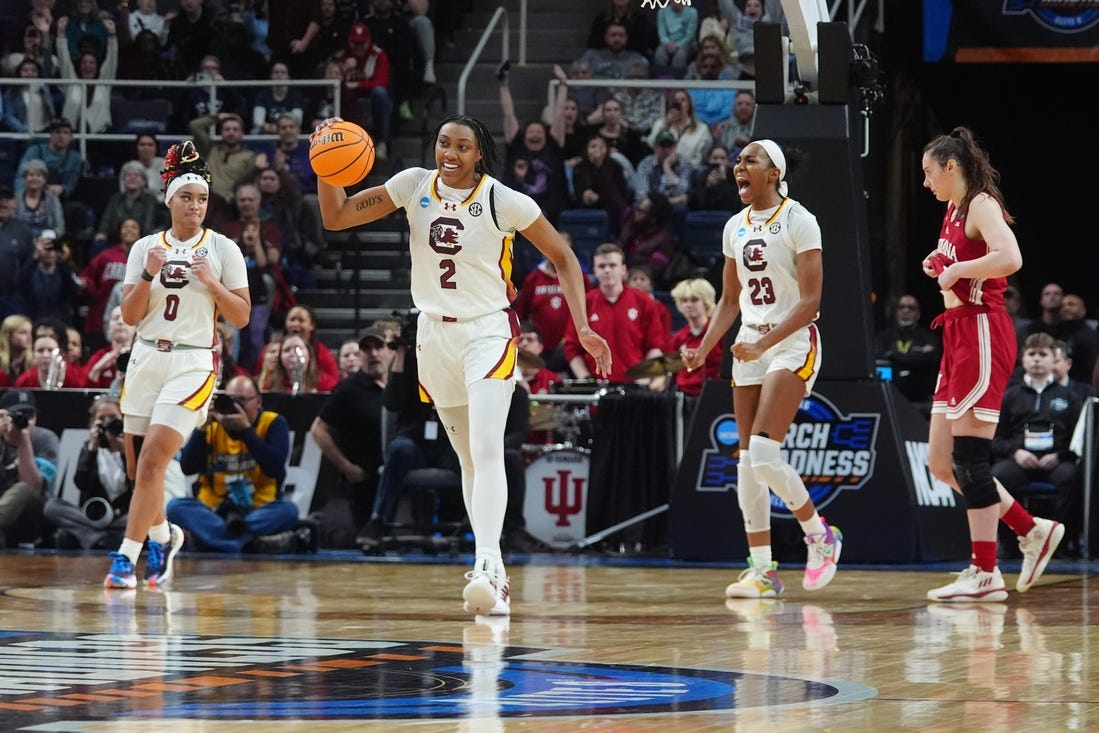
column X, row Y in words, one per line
column 1056, row 405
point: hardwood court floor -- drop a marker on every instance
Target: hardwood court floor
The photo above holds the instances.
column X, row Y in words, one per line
column 384, row 645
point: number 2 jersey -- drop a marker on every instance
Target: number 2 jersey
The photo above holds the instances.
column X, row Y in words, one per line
column 765, row 245
column 181, row 309
column 461, row 242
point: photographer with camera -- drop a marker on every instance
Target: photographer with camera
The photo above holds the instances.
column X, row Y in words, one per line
column 28, row 467
column 712, row 186
column 105, row 489
column 240, row 458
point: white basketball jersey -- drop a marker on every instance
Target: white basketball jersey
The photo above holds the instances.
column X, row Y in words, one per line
column 461, row 242
column 765, row 246
column 181, row 309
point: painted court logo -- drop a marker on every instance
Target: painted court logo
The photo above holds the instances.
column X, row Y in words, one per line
column 830, row 451
column 97, row 677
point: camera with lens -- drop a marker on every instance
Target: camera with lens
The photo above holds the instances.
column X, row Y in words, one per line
column 225, row 404
column 105, row 427
column 408, row 320
column 20, row 420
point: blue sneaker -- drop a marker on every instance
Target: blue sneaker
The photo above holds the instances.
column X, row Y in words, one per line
column 158, row 566
column 121, row 574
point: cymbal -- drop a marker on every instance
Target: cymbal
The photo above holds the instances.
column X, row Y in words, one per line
column 528, row 360
column 542, row 416
column 656, row 366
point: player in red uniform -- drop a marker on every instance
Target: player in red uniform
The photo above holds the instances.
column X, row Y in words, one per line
column 976, row 252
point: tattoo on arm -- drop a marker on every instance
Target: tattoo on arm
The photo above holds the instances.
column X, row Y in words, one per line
column 367, row 202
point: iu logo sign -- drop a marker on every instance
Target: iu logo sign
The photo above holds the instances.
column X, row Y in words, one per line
column 830, row 451
column 555, row 507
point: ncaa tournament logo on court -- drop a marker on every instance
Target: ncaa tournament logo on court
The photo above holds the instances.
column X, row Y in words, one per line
column 832, row 452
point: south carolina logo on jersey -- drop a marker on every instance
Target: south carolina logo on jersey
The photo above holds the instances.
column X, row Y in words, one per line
column 444, row 235
column 174, row 273
column 755, row 259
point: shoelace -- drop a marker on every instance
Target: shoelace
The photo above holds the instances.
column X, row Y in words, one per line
column 120, row 563
column 156, row 554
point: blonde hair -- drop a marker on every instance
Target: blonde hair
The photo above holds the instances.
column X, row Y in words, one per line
column 696, row 287
column 7, row 328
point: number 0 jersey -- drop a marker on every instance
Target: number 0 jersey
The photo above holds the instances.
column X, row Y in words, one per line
column 181, row 309
column 765, row 245
column 461, row 242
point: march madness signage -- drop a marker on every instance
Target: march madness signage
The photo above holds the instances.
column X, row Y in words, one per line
column 999, row 31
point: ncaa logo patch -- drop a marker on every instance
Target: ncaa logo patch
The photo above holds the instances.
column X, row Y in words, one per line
column 425, row 202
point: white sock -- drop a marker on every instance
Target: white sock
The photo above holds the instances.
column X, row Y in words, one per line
column 761, row 557
column 813, row 525
column 131, row 549
column 160, row 533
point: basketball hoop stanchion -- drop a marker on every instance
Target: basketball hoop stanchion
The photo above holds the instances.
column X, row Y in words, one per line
column 654, row 4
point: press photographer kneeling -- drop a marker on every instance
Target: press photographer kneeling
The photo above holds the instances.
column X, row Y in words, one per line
column 105, row 489
column 240, row 458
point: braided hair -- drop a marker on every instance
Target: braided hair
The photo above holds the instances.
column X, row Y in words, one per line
column 980, row 176
column 487, row 144
column 181, row 159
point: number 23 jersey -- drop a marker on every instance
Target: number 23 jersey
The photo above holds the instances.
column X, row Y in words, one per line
column 460, row 241
column 765, row 245
column 181, row 309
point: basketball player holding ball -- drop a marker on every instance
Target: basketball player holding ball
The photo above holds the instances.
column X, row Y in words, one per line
column 177, row 282
column 462, row 223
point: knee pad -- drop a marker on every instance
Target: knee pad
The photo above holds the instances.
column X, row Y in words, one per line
column 752, row 497
column 767, row 462
column 973, row 471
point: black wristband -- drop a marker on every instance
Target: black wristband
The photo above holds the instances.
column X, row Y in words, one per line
column 146, row 276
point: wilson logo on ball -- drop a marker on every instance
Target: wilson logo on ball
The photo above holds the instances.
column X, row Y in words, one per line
column 342, row 154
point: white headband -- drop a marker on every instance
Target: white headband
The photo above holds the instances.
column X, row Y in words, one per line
column 180, row 181
column 774, row 152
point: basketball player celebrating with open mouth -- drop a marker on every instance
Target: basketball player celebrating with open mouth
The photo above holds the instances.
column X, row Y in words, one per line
column 177, row 281
column 462, row 223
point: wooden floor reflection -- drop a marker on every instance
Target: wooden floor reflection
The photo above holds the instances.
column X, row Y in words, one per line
column 379, row 646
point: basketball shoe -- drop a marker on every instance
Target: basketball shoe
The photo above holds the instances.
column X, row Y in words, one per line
column 823, row 554
column 488, row 592
column 158, row 566
column 121, row 575
column 972, row 586
column 1038, row 547
column 756, row 583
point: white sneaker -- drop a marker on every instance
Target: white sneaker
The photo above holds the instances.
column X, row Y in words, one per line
column 429, row 72
column 823, row 552
column 972, row 586
column 1038, row 547
column 488, row 592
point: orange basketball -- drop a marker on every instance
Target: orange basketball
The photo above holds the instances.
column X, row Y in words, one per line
column 342, row 154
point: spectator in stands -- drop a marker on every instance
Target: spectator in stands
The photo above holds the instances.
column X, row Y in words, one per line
column 146, row 18
column 102, row 366
column 83, row 30
column 246, row 201
column 712, row 44
column 100, row 476
column 16, row 354
column 240, row 458
column 695, row 300
column 37, row 47
column 323, row 104
column 265, row 370
column 50, row 287
column 147, row 149
column 641, row 277
column 614, row 58
column 641, row 36
column 663, row 171
column 742, row 29
column 1013, row 303
column 291, row 155
column 287, row 22
column 189, row 36
column 76, row 352
column 28, row 467
column 1082, row 339
column 392, row 32
column 275, row 101
column 134, row 201
column 913, row 351
column 623, row 142
column 349, row 358
column 571, row 132
column 712, row 186
column 143, row 59
column 324, row 37
column 1037, row 419
column 366, row 79
column 301, row 321
column 64, row 164
column 588, row 99
column 282, row 204
column 50, row 369
column 1062, row 363
column 27, row 108
column 423, row 29
column 91, row 112
column 228, row 160
column 711, row 105
column 600, row 183
column 107, row 269
column 16, row 251
column 692, row 138
column 536, row 377
column 348, row 429
column 676, row 28
column 642, row 107
column 545, row 181
column 238, row 59
column 38, row 206
column 541, row 301
column 210, row 98
column 624, row 316
column 735, row 132
column 261, row 289
column 1050, row 303
column 227, row 343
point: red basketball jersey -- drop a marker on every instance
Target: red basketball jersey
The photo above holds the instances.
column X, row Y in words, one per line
column 958, row 247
